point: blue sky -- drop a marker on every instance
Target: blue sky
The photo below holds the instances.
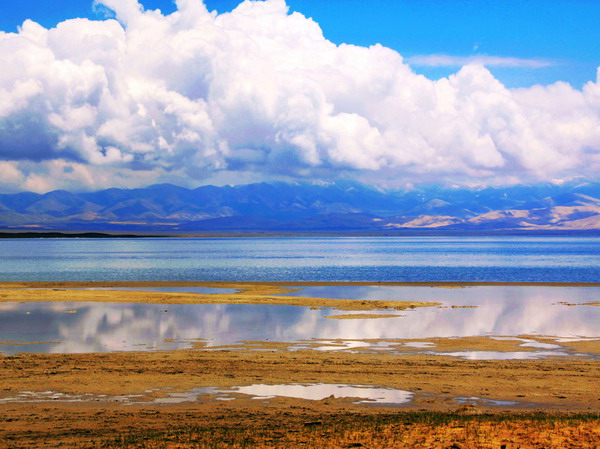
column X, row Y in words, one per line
column 563, row 33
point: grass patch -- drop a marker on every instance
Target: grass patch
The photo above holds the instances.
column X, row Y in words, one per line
column 410, row 429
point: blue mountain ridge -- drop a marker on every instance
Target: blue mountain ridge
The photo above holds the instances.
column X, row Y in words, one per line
column 306, row 207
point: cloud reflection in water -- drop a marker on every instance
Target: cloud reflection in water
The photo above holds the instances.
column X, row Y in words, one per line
column 105, row 327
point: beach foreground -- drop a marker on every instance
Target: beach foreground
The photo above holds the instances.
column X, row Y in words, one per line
column 152, row 399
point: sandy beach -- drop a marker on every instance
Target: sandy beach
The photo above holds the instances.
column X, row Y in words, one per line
column 134, row 399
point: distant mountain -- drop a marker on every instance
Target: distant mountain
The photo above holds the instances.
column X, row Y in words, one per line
column 303, row 207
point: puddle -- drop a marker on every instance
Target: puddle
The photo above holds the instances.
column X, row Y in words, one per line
column 574, row 339
column 190, row 396
column 528, row 343
column 315, row 392
column 338, row 345
column 499, row 355
column 486, row 402
column 51, row 396
column 537, row 344
column 394, row 346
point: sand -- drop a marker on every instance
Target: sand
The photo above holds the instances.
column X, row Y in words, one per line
column 248, row 293
column 556, row 388
column 550, row 403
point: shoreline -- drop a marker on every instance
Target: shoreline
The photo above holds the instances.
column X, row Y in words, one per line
column 547, row 398
column 282, row 284
column 274, row 294
column 288, row 284
column 161, row 232
column 113, row 399
column 248, row 293
column 565, row 384
column 281, row 426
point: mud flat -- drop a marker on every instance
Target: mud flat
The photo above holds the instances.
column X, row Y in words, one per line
column 249, row 293
column 118, row 400
column 194, row 397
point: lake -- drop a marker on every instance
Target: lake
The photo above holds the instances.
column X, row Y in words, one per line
column 499, row 310
column 72, row 327
column 516, row 259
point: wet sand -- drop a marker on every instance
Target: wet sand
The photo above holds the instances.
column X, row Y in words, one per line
column 551, row 403
column 249, row 293
column 543, row 394
column 561, row 384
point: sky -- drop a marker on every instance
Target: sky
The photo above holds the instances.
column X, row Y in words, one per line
column 393, row 92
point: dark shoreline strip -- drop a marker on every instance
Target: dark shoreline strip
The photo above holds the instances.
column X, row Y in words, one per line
column 63, row 235
column 291, row 284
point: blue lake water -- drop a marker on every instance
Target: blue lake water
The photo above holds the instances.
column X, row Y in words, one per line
column 500, row 311
column 520, row 259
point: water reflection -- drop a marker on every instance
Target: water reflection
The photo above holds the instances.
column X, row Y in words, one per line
column 473, row 400
column 103, row 327
column 367, row 394
column 499, row 310
column 468, row 295
column 107, row 327
column 499, row 355
column 316, row 392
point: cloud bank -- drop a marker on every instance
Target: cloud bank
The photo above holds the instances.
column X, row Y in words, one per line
column 489, row 61
column 260, row 93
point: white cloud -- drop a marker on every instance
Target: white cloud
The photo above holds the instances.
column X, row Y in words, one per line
column 438, row 60
column 258, row 93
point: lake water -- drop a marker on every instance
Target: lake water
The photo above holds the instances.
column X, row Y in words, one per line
column 500, row 311
column 532, row 259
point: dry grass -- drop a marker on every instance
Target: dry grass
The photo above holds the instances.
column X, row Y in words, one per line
column 405, row 430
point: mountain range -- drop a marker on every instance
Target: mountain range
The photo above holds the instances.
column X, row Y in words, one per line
column 341, row 207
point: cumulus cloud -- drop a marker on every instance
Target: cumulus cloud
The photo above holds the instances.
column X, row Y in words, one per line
column 259, row 92
column 491, row 61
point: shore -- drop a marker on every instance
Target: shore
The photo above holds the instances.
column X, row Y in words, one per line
column 268, row 293
column 553, row 403
column 248, row 293
column 127, row 399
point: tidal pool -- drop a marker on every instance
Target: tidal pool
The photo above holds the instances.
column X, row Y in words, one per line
column 316, row 392
column 475, row 295
column 76, row 327
column 365, row 394
column 501, row 355
column 481, row 310
column 359, row 394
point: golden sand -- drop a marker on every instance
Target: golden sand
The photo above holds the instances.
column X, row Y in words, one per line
column 542, row 395
column 248, row 293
